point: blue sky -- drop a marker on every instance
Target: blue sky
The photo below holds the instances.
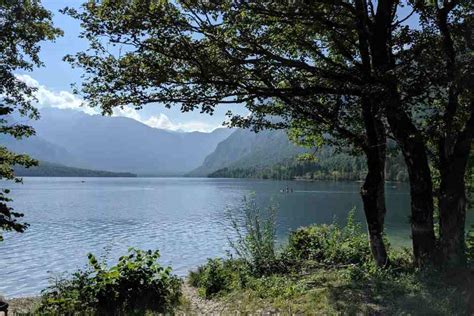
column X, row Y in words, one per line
column 55, row 78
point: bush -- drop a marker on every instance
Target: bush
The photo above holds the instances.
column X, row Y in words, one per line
column 256, row 235
column 136, row 283
column 258, row 259
column 330, row 244
column 217, row 276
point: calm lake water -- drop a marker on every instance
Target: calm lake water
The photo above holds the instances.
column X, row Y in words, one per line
column 182, row 217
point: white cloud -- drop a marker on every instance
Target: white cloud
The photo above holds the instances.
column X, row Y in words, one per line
column 67, row 100
column 162, row 121
column 127, row 111
column 62, row 99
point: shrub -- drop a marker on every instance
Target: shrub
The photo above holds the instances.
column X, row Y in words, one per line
column 218, row 276
column 330, row 244
column 256, row 235
column 259, row 264
column 136, row 283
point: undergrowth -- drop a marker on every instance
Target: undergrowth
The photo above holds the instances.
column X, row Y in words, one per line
column 137, row 284
column 326, row 269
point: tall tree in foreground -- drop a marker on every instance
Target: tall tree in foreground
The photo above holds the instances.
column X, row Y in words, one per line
column 203, row 55
column 437, row 74
column 340, row 68
column 455, row 22
column 23, row 25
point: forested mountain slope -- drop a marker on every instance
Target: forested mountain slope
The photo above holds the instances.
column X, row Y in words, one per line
column 48, row 169
column 270, row 154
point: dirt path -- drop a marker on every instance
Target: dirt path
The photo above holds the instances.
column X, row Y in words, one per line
column 22, row 305
column 199, row 305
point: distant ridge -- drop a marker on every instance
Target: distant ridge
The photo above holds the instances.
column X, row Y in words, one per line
column 245, row 149
column 118, row 144
column 49, row 169
column 271, row 155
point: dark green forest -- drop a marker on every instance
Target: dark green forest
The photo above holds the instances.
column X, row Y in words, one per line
column 48, row 169
column 327, row 165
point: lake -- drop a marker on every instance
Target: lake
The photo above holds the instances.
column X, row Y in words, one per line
column 184, row 218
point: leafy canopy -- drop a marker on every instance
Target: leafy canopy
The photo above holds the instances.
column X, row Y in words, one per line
column 24, row 24
column 301, row 61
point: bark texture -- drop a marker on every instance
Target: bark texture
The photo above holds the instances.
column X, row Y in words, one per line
column 454, row 157
column 421, row 186
column 373, row 195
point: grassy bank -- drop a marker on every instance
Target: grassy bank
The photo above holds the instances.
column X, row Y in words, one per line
column 326, row 291
column 349, row 291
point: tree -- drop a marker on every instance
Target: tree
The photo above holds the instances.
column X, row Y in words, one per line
column 179, row 53
column 331, row 70
column 24, row 24
column 453, row 20
column 435, row 76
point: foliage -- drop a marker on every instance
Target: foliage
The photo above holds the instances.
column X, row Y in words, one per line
column 9, row 219
column 24, row 25
column 200, row 55
column 218, row 276
column 257, row 256
column 331, row 71
column 313, row 76
column 136, row 283
column 337, row 292
column 330, row 244
column 255, row 236
column 330, row 270
column 253, row 245
column 327, row 165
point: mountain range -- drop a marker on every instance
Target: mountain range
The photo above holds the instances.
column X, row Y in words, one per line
column 117, row 144
column 89, row 144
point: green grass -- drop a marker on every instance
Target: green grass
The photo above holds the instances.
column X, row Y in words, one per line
column 347, row 290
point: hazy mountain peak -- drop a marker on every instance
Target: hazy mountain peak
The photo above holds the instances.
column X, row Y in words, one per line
column 120, row 144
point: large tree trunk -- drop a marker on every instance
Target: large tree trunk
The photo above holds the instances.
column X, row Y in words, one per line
column 373, row 197
column 454, row 157
column 406, row 134
column 373, row 190
column 454, row 149
column 421, row 186
column 452, row 218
